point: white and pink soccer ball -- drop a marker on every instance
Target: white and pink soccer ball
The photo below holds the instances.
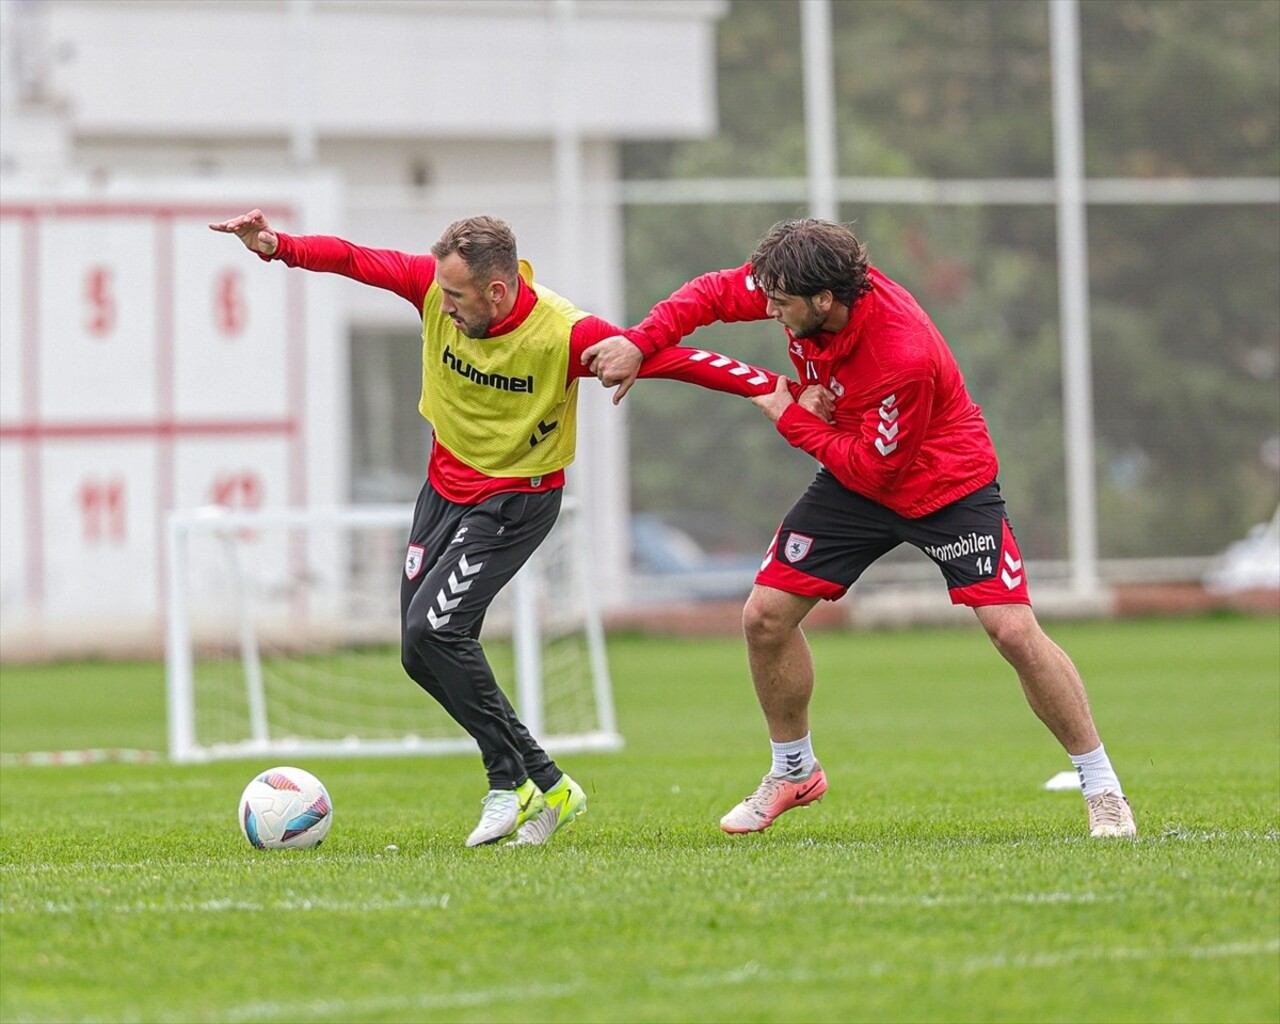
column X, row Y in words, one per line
column 285, row 808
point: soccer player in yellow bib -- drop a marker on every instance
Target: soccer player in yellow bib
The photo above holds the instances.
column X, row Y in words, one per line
column 501, row 360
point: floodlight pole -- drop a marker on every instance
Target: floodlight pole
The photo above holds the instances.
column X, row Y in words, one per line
column 567, row 150
column 600, row 476
column 1073, row 296
column 819, row 108
column 302, row 120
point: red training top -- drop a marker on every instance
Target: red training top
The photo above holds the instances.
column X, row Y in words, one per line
column 906, row 433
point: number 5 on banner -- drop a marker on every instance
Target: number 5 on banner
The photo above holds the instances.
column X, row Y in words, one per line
column 229, row 307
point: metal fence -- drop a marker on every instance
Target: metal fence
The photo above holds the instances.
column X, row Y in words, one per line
column 1109, row 279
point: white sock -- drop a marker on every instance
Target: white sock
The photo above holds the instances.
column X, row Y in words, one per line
column 795, row 757
column 1096, row 774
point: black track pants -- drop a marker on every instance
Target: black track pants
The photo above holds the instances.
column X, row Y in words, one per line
column 459, row 557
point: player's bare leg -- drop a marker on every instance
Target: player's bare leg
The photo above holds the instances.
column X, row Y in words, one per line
column 782, row 672
column 1056, row 693
column 780, row 660
column 1053, row 687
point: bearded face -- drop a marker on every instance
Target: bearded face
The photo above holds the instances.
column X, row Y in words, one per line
column 471, row 306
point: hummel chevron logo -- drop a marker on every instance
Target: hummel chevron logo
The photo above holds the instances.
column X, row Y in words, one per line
column 545, row 428
column 449, row 601
column 1014, row 564
column 887, row 443
column 739, row 369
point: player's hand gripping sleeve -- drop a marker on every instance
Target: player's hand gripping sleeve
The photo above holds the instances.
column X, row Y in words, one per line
column 871, row 454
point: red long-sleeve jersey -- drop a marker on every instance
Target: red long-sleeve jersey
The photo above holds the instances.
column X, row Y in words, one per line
column 410, row 276
column 906, row 433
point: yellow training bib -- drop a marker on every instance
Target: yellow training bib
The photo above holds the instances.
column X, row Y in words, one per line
column 502, row 405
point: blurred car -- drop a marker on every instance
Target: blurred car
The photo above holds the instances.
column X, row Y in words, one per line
column 1252, row 563
column 667, row 563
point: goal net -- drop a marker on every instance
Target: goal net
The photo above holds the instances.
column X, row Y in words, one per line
column 283, row 639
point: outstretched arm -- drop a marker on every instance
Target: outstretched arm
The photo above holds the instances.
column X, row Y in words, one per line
column 710, row 370
column 772, row 393
column 593, row 340
column 727, row 296
column 692, row 365
column 405, row 274
column 723, row 296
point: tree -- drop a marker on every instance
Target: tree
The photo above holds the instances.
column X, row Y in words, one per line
column 1185, row 300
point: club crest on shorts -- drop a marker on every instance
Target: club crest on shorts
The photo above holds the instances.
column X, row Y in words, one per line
column 413, row 561
column 797, row 547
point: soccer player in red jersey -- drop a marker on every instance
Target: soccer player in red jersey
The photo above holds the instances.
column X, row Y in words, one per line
column 905, row 456
column 502, row 357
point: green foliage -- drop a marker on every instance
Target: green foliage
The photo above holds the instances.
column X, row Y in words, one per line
column 1181, row 89
column 937, row 881
column 683, row 438
column 1186, row 371
column 1185, row 300
column 942, row 89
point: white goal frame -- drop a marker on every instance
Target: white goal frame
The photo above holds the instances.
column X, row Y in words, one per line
column 526, row 639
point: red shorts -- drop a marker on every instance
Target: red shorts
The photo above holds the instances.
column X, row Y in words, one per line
column 832, row 535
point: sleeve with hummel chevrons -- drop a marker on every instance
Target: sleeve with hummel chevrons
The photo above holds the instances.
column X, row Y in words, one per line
column 709, row 370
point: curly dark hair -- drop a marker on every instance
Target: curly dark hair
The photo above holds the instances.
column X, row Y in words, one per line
column 805, row 257
column 486, row 244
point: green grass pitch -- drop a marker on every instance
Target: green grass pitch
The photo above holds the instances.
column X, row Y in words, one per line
column 937, row 881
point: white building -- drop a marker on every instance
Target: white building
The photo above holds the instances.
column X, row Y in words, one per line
column 125, row 124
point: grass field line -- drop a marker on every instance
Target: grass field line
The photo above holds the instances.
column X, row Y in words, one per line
column 750, row 972
column 80, row 867
column 1022, row 961
column 754, row 971
column 354, row 1009
column 61, row 758
column 1171, row 834
column 871, row 900
column 222, row 906
column 441, row 902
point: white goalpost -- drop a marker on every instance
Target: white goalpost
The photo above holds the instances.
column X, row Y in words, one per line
column 282, row 638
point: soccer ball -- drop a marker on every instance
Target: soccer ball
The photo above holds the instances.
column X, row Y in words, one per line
column 285, row 808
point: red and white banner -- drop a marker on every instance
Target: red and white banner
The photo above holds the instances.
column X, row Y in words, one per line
column 149, row 364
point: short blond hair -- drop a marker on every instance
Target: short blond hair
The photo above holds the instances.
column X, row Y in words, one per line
column 487, row 246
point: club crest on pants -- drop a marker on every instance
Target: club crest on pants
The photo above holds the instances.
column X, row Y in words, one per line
column 413, row 560
column 797, row 547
